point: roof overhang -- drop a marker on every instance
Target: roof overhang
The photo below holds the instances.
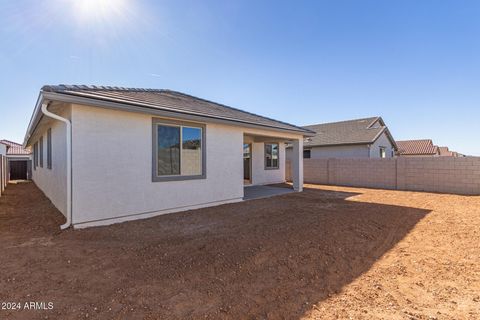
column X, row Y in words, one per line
column 47, row 97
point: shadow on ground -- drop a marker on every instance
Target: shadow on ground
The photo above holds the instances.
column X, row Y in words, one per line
column 267, row 258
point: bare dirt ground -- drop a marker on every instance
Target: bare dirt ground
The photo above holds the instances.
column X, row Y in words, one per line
column 326, row 253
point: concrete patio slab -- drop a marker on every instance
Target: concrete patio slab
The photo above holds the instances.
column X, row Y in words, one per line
column 258, row 192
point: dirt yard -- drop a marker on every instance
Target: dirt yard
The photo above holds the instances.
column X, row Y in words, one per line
column 326, row 253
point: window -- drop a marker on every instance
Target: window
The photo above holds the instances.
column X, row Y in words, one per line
column 49, row 148
column 41, row 152
column 307, row 154
column 271, row 155
column 382, row 152
column 178, row 150
column 35, row 155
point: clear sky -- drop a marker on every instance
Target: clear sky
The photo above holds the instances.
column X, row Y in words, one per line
column 415, row 63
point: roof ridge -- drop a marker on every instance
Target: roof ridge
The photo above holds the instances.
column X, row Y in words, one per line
column 64, row 87
column 415, row 140
column 233, row 108
column 75, row 87
column 342, row 121
column 9, row 141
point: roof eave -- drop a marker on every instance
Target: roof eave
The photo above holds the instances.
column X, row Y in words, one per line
column 138, row 107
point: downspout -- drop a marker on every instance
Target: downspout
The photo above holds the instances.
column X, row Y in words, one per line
column 69, row 162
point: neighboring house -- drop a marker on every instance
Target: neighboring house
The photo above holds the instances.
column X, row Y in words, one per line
column 445, row 152
column 106, row 154
column 3, row 149
column 417, row 148
column 360, row 138
column 18, row 161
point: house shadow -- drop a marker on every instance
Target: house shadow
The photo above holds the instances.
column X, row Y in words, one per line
column 270, row 258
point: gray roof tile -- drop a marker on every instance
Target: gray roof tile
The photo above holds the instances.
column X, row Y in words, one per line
column 358, row 131
column 171, row 101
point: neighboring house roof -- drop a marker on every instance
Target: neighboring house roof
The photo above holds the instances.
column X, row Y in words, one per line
column 350, row 132
column 172, row 101
column 14, row 148
column 417, row 147
column 444, row 152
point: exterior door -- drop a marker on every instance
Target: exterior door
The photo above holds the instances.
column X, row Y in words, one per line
column 18, row 169
column 247, row 163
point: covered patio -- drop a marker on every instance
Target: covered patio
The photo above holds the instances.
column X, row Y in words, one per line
column 264, row 163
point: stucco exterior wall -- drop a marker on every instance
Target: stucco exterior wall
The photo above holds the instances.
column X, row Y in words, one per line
column 112, row 168
column 262, row 176
column 352, row 151
column 347, row 151
column 53, row 182
column 382, row 141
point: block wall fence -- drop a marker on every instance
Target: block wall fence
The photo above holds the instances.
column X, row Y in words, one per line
column 440, row 174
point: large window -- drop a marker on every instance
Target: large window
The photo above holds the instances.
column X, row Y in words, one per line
column 178, row 150
column 271, row 155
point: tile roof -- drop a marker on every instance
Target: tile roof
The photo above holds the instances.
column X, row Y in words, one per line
column 169, row 100
column 444, row 152
column 417, row 147
column 15, row 148
column 358, row 131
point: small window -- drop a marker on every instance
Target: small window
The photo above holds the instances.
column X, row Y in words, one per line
column 307, row 154
column 35, row 155
column 41, row 152
column 178, row 150
column 49, row 148
column 271, row 156
column 382, row 152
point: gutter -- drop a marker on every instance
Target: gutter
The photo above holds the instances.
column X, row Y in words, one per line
column 69, row 161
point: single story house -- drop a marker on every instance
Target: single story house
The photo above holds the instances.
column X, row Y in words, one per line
column 417, row 148
column 108, row 154
column 19, row 161
column 446, row 152
column 359, row 138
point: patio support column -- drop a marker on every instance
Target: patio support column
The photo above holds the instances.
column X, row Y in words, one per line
column 297, row 165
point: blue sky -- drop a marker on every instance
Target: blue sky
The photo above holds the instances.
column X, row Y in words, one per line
column 415, row 63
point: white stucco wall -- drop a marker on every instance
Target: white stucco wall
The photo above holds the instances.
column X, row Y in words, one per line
column 53, row 182
column 262, row 176
column 112, row 168
column 382, row 141
column 352, row 151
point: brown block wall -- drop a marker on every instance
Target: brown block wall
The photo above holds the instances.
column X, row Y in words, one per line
column 445, row 174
